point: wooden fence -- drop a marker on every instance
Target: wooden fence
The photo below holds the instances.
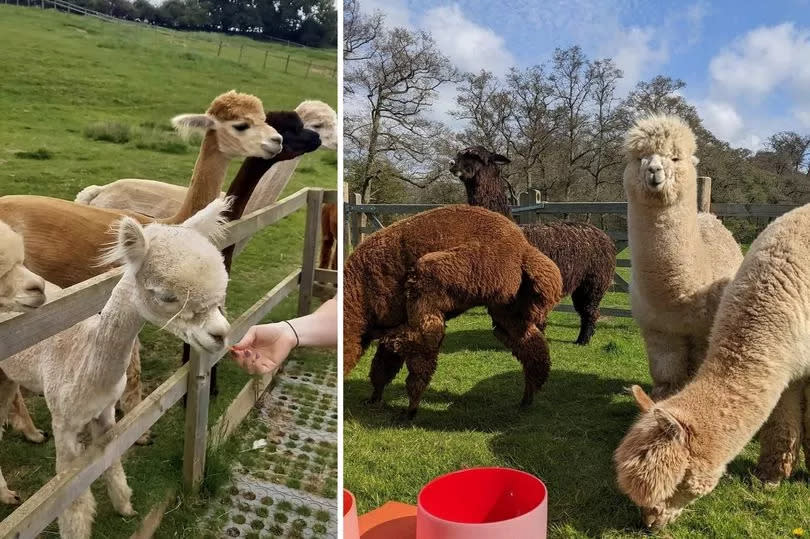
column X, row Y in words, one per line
column 86, row 299
column 361, row 219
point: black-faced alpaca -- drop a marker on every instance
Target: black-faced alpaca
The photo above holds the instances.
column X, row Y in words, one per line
column 585, row 255
column 403, row 282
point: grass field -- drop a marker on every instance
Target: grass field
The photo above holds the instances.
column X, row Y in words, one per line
column 470, row 417
column 64, row 74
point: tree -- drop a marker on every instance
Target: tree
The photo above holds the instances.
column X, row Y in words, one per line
column 607, row 126
column 791, row 152
column 359, row 31
column 395, row 86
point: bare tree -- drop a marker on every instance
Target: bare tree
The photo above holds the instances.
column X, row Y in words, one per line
column 487, row 107
column 359, row 31
column 609, row 119
column 394, row 87
column 791, row 151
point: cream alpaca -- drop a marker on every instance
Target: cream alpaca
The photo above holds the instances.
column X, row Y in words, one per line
column 681, row 259
column 160, row 199
column 174, row 277
column 760, row 343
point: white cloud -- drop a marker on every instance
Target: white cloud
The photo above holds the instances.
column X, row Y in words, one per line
column 765, row 59
column 470, row 46
column 637, row 54
column 396, row 12
column 721, row 118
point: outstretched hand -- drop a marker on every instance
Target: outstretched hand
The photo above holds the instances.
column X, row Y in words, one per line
column 264, row 348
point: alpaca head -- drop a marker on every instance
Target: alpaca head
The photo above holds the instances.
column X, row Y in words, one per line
column 238, row 122
column 177, row 275
column 298, row 140
column 470, row 161
column 660, row 152
column 322, row 119
column 655, row 467
column 20, row 289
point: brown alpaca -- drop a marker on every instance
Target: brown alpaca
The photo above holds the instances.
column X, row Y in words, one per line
column 585, row 255
column 404, row 281
column 328, row 236
column 65, row 240
column 679, row 447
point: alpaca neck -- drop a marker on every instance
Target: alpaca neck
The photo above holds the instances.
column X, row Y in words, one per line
column 244, row 183
column 115, row 333
column 734, row 391
column 206, row 180
column 665, row 243
column 486, row 190
column 271, row 184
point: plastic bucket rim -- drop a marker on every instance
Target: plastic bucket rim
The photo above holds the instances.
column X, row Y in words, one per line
column 420, row 507
column 352, row 502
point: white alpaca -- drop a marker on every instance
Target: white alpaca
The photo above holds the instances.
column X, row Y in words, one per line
column 760, row 346
column 159, row 199
column 174, row 277
column 681, row 259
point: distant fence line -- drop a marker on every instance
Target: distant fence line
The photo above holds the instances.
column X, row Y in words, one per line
column 303, row 68
column 361, row 219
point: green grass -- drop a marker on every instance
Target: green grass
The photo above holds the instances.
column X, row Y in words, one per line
column 470, row 417
column 66, row 73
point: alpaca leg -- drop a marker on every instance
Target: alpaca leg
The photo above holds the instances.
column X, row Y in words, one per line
column 114, row 476
column 384, row 368
column 781, row 435
column 8, row 390
column 326, row 250
column 668, row 356
column 77, row 520
column 420, row 371
column 586, row 303
column 529, row 346
column 21, row 420
column 133, row 390
column 806, row 421
column 333, row 260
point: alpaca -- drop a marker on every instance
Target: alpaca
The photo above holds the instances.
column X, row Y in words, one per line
column 173, row 278
column 65, row 240
column 160, row 200
column 585, row 255
column 681, row 259
column 328, row 236
column 758, row 349
column 404, row 281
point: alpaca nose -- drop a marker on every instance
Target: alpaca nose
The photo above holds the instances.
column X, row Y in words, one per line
column 654, row 167
column 36, row 286
column 218, row 338
column 276, row 138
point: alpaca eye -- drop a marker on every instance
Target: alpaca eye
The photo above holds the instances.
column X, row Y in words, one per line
column 317, row 126
column 241, row 127
column 168, row 298
column 674, row 159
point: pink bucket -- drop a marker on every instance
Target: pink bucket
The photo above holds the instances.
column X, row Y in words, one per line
column 351, row 527
column 483, row 503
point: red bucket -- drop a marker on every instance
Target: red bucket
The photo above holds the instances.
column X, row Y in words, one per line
column 351, row 526
column 483, row 503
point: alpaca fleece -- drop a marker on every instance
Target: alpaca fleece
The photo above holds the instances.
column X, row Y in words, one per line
column 584, row 254
column 404, row 281
column 758, row 348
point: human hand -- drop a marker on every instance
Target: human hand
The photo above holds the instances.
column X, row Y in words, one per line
column 264, row 348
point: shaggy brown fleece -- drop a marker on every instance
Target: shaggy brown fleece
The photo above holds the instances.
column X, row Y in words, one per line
column 404, row 281
column 585, row 255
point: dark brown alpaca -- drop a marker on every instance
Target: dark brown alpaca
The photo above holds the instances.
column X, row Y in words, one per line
column 404, row 281
column 585, row 255
column 328, row 236
column 297, row 140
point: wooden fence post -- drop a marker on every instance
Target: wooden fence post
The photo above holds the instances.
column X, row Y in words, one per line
column 704, row 194
column 219, row 49
column 358, row 222
column 196, row 428
column 287, row 64
column 264, row 66
column 241, row 48
column 308, row 68
column 314, row 201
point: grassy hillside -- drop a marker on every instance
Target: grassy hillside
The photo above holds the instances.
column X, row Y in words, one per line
column 66, row 77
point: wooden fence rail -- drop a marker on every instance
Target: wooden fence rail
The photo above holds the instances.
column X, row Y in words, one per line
column 85, row 299
column 360, row 219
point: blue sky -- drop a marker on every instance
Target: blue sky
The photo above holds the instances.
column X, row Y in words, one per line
column 746, row 64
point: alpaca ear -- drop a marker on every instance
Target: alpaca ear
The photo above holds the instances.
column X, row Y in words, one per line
column 695, row 160
column 186, row 123
column 671, row 426
column 645, row 403
column 210, row 220
column 130, row 245
column 499, row 159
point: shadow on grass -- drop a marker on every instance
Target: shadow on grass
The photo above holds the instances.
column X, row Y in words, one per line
column 566, row 437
